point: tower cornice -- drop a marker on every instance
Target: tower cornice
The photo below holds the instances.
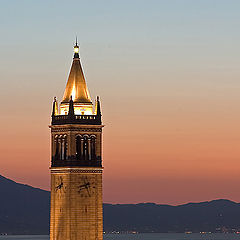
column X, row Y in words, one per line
column 77, row 170
column 77, row 128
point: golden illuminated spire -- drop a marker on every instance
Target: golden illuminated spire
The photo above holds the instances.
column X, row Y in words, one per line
column 76, row 85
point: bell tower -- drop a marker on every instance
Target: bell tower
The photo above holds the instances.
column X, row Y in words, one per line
column 76, row 164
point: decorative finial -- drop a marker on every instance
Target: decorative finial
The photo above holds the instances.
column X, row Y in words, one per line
column 76, row 41
column 76, row 49
column 98, row 109
column 71, row 107
column 55, row 107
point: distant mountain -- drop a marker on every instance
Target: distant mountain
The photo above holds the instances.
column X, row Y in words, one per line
column 213, row 216
column 25, row 210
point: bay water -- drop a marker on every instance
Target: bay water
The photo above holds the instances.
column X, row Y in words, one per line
column 146, row 236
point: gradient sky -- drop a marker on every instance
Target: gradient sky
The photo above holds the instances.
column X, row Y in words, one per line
column 169, row 79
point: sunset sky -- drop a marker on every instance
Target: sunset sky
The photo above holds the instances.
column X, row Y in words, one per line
column 168, row 74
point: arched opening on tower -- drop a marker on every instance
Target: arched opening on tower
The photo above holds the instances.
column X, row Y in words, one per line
column 85, row 148
column 93, row 147
column 79, row 141
column 60, row 147
column 56, row 148
column 64, row 146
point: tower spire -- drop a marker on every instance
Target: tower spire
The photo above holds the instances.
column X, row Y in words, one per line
column 76, row 85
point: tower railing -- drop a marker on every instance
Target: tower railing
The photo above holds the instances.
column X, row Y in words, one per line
column 76, row 119
column 73, row 161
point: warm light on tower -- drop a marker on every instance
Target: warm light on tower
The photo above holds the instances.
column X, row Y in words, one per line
column 76, row 49
column 76, row 89
column 73, row 93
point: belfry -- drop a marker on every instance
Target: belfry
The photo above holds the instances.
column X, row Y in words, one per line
column 76, row 164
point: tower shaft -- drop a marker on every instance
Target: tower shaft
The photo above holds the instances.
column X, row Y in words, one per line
column 76, row 212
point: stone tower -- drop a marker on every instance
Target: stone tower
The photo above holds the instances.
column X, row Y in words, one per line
column 76, row 166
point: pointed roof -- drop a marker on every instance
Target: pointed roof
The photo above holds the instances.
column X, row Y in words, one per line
column 76, row 84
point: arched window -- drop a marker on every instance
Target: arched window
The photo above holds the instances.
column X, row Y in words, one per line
column 61, row 147
column 57, row 147
column 79, row 147
column 85, row 148
column 64, row 146
column 93, row 147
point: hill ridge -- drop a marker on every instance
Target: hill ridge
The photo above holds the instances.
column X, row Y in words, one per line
column 25, row 210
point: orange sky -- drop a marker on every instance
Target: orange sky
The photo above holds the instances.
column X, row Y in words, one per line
column 178, row 152
column 168, row 76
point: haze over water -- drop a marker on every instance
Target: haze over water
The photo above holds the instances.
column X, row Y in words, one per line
column 149, row 236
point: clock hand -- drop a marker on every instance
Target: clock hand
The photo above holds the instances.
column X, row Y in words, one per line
column 81, row 187
column 87, row 187
column 59, row 186
column 84, row 186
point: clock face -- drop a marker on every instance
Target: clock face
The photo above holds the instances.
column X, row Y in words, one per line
column 60, row 186
column 86, row 186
